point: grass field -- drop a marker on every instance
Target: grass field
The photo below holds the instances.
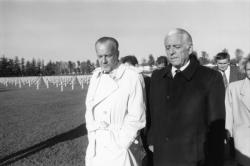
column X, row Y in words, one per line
column 30, row 116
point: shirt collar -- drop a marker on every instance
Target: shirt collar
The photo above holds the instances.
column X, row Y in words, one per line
column 173, row 70
column 187, row 72
column 227, row 72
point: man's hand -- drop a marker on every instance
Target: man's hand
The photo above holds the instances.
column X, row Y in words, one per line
column 151, row 148
column 228, row 136
column 103, row 125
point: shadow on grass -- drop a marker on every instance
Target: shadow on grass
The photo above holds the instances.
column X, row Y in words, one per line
column 6, row 89
column 72, row 134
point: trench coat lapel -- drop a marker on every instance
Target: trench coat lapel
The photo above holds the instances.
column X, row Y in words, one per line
column 245, row 93
column 107, row 86
column 95, row 79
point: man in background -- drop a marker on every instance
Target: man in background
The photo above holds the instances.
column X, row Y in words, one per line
column 161, row 62
column 229, row 72
column 130, row 60
column 148, row 159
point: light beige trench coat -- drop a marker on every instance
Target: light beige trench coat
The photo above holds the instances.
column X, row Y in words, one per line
column 238, row 114
column 117, row 99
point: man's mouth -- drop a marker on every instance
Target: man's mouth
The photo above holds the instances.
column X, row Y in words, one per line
column 173, row 59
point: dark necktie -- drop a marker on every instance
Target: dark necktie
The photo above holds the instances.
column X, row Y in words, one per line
column 177, row 71
column 225, row 79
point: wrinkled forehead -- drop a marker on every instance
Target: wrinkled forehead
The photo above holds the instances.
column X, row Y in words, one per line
column 174, row 39
column 107, row 46
column 177, row 38
column 223, row 61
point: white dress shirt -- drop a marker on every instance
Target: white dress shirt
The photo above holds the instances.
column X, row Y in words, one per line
column 227, row 73
column 173, row 70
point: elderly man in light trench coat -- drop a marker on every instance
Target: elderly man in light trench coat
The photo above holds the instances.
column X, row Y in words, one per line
column 115, row 109
column 237, row 103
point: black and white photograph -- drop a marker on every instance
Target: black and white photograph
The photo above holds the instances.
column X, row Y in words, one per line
column 124, row 82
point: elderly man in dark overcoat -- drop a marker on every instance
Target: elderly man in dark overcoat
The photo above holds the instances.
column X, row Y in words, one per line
column 188, row 111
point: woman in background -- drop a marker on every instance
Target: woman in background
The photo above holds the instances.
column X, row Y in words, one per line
column 238, row 115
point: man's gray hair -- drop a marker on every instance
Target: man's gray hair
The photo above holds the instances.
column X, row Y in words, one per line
column 104, row 39
column 182, row 32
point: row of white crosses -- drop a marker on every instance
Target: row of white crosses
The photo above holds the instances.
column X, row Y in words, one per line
column 58, row 81
column 83, row 79
column 63, row 81
column 20, row 81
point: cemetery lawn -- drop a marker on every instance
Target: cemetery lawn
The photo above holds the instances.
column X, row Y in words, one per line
column 29, row 116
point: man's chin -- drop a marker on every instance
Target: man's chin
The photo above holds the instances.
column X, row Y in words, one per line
column 177, row 65
column 106, row 70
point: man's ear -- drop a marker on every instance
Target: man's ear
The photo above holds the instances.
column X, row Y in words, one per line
column 190, row 49
column 117, row 54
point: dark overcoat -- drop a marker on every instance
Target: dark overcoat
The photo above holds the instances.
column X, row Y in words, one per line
column 188, row 114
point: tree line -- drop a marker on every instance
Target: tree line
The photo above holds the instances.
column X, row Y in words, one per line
column 203, row 58
column 21, row 67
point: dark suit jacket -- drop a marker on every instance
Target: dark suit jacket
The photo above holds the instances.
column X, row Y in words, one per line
column 187, row 116
column 148, row 116
column 235, row 73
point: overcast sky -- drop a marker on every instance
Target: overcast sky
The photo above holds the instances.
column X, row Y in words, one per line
column 67, row 30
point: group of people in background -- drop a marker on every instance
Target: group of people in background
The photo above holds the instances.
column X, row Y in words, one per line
column 185, row 114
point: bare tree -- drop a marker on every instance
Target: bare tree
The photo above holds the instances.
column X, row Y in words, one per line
column 204, row 59
column 151, row 60
column 238, row 55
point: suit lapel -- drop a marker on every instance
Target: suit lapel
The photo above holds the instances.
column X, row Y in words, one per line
column 232, row 74
column 245, row 93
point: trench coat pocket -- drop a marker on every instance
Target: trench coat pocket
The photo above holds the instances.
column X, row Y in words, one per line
column 241, row 136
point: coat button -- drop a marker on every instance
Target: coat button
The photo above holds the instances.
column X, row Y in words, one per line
column 166, row 138
column 168, row 97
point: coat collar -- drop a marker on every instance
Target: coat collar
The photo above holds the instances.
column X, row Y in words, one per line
column 187, row 73
column 106, row 83
column 245, row 92
column 115, row 74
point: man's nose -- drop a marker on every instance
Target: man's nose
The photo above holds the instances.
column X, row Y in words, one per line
column 171, row 51
column 104, row 59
